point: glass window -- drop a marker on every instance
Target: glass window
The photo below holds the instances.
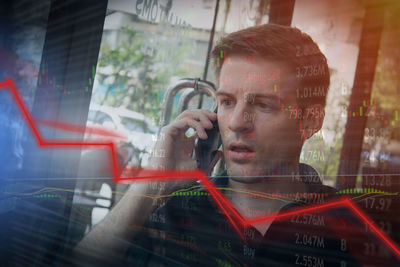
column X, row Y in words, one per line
column 91, row 115
column 381, row 146
column 103, row 118
column 144, row 49
column 134, row 125
column 337, row 35
column 22, row 36
column 147, row 47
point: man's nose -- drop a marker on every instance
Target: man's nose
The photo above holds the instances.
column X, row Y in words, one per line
column 241, row 119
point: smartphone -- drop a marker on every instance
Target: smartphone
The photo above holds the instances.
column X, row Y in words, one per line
column 206, row 151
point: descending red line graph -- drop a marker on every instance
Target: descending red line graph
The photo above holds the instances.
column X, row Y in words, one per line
column 80, row 129
column 224, row 204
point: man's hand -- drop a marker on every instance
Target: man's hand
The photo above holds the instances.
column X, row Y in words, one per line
column 176, row 145
column 112, row 234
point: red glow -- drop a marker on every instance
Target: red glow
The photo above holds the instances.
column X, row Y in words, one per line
column 224, row 204
column 80, row 129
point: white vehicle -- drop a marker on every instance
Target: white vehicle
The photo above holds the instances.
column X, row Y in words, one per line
column 139, row 130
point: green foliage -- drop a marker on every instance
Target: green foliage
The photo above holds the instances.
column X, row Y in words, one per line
column 138, row 79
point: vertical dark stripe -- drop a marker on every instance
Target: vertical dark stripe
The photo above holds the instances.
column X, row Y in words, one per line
column 364, row 77
column 281, row 12
column 210, row 43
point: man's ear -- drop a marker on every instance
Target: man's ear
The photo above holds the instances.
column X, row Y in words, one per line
column 313, row 118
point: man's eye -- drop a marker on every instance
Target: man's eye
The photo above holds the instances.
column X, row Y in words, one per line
column 265, row 106
column 226, row 102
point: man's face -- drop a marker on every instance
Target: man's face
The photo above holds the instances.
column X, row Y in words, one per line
column 258, row 136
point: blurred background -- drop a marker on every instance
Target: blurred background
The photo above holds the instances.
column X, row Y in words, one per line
column 107, row 65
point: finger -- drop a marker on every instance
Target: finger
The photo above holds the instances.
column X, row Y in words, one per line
column 197, row 115
column 185, row 114
column 211, row 115
column 204, row 119
column 194, row 113
column 186, row 123
column 180, row 125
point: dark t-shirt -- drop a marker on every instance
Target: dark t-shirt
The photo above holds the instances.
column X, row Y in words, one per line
column 190, row 229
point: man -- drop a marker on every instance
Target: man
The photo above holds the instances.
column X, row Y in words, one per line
column 271, row 98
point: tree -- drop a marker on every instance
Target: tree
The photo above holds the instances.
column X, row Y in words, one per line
column 139, row 76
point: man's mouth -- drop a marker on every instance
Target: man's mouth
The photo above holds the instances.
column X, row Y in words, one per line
column 241, row 152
